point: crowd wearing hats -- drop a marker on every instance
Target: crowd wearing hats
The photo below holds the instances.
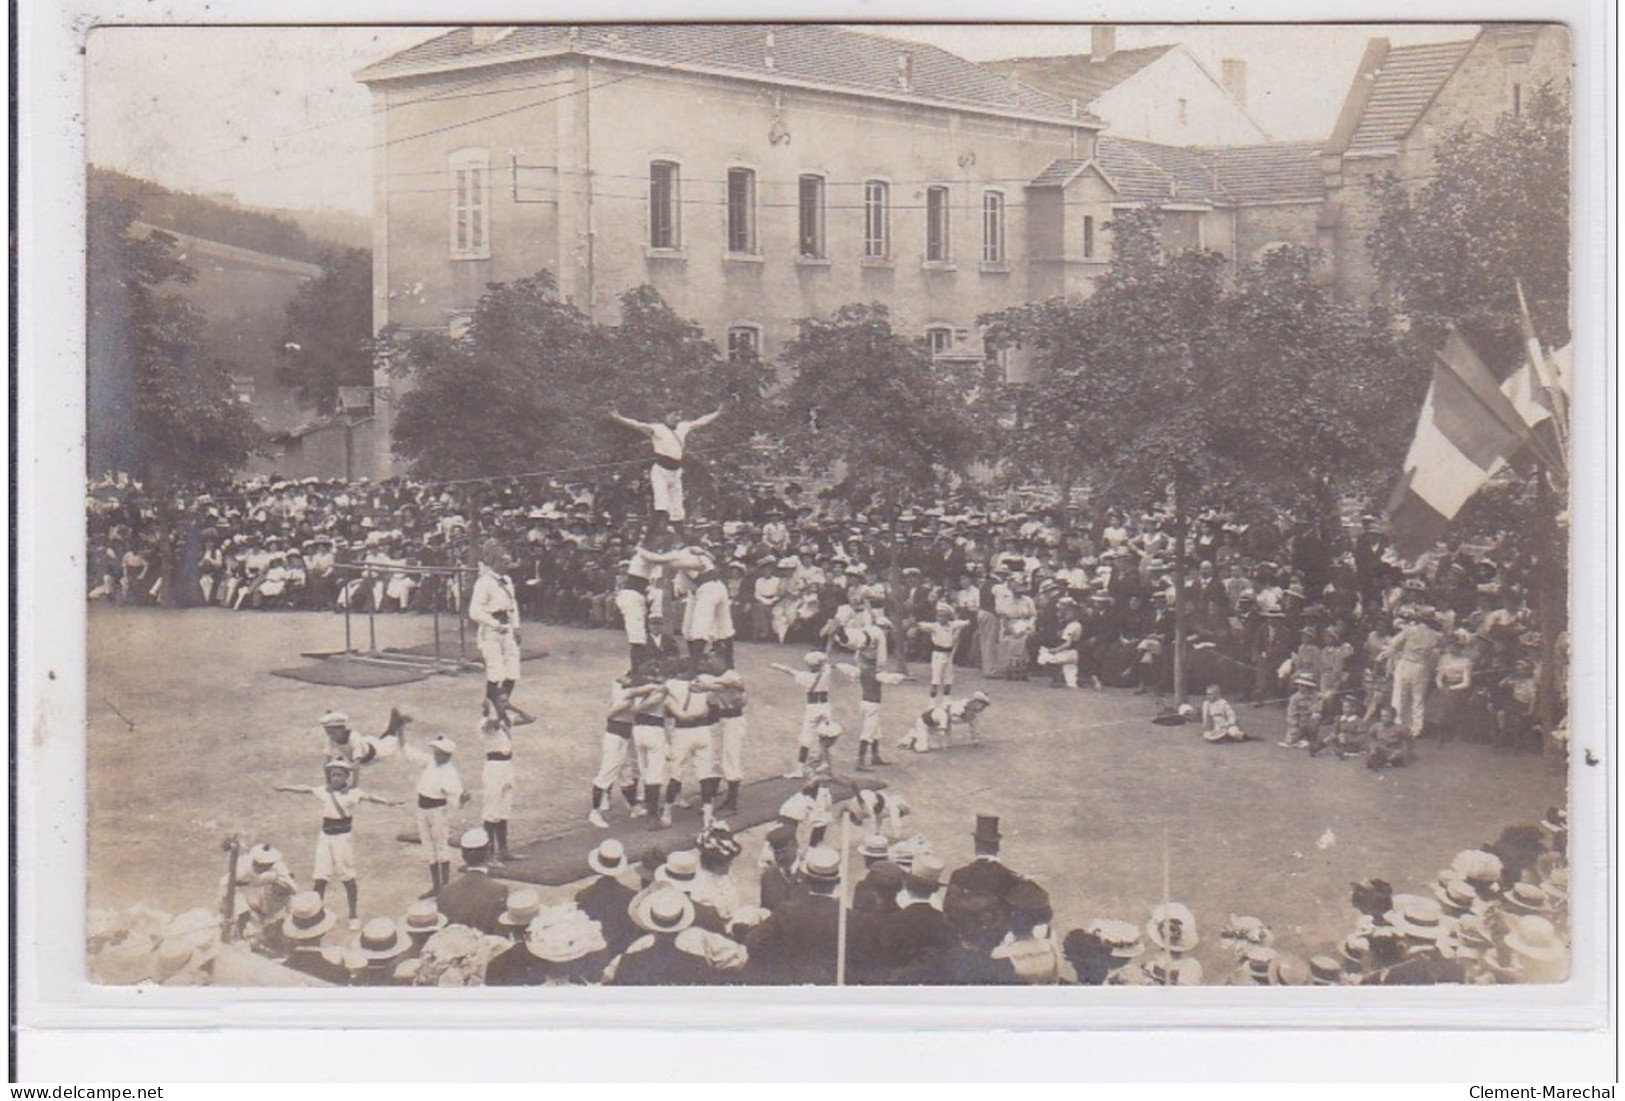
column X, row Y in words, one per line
column 1022, row 592
column 891, row 913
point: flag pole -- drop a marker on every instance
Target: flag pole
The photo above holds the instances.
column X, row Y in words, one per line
column 1167, row 902
column 841, row 906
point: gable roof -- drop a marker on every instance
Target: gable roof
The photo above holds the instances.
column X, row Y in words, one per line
column 1143, row 172
column 1079, row 76
column 1403, row 84
column 820, row 55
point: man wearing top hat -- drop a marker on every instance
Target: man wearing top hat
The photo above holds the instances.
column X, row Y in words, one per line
column 985, row 875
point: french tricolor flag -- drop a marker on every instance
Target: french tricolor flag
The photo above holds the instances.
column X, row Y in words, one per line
column 1469, row 429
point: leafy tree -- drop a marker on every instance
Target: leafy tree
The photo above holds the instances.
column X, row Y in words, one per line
column 528, row 388
column 511, row 396
column 158, row 406
column 327, row 330
column 1173, row 383
column 1495, row 210
column 862, row 395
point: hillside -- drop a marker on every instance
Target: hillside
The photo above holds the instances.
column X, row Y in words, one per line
column 293, row 235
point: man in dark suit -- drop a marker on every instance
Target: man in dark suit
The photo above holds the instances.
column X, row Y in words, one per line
column 605, row 899
column 662, row 912
column 473, row 898
column 914, row 938
column 984, row 875
column 780, row 883
column 796, row 945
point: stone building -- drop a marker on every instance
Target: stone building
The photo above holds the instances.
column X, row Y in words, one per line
column 1403, row 101
column 754, row 175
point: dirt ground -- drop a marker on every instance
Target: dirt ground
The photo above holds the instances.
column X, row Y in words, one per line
column 1095, row 801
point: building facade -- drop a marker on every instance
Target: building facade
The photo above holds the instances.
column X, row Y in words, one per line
column 754, row 176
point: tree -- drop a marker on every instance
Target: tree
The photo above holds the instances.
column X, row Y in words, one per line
column 158, row 406
column 509, row 397
column 1175, row 384
column 1495, row 210
column 327, row 331
column 528, row 388
column 862, row 395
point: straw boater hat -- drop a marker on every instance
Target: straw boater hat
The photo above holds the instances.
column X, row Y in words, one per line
column 563, row 934
column 307, row 918
column 681, row 870
column 823, row 865
column 874, row 847
column 334, row 718
column 1526, row 898
column 1287, row 970
column 925, row 872
column 1417, row 916
column 1536, row 938
column 1456, row 895
column 443, row 744
column 1172, row 927
column 609, row 858
column 423, row 918
column 381, row 939
column 523, row 906
column 1166, row 970
column 661, row 908
column 1121, row 938
column 1325, row 971
column 1257, row 961
column 815, row 658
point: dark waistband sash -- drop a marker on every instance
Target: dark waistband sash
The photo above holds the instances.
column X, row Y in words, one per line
column 499, row 756
column 817, row 697
column 333, row 827
column 426, row 803
column 618, row 727
column 692, row 724
column 668, row 463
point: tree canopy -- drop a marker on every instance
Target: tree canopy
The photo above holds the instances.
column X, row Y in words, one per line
column 1256, row 390
column 862, row 395
column 327, row 330
column 1495, row 211
column 158, row 406
column 530, row 385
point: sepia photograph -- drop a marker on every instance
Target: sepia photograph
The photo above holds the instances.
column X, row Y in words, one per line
column 838, row 505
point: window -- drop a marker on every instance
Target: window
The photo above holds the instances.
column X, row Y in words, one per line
column 1184, row 112
column 876, row 220
column 992, row 227
column 1088, row 236
column 812, row 217
column 471, row 204
column 1517, row 100
column 744, row 344
column 936, row 225
column 663, row 205
column 940, row 338
column 741, row 210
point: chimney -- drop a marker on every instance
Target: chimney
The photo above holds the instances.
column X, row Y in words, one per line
column 1235, row 78
column 1102, row 41
column 905, row 70
column 769, row 60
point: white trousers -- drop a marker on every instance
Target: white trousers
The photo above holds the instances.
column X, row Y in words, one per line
column 1410, row 694
column 496, row 791
column 500, row 652
column 614, row 762
column 729, row 744
column 653, row 750
column 667, row 486
column 335, row 857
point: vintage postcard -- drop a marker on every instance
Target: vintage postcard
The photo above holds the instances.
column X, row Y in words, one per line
column 838, row 505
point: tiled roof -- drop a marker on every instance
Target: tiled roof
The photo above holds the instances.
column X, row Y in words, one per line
column 1231, row 176
column 817, row 54
column 1280, row 172
column 1403, row 86
column 1079, row 76
column 1144, row 172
